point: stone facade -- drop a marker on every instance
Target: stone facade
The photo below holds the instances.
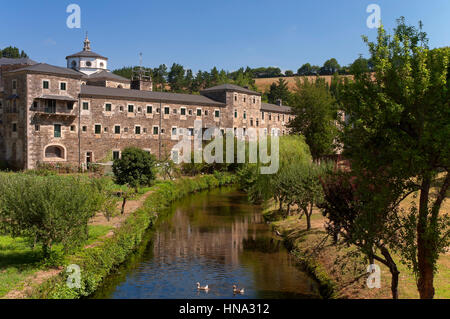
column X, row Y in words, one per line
column 53, row 115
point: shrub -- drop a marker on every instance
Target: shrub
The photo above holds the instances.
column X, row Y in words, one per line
column 136, row 168
column 47, row 210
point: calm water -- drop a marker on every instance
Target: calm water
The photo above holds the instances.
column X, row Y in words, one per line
column 215, row 238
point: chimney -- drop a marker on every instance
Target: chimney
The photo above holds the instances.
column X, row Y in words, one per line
column 279, row 102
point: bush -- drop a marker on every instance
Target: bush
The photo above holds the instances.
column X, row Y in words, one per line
column 136, row 168
column 47, row 210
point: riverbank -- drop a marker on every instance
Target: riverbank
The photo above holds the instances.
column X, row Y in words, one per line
column 340, row 271
column 125, row 233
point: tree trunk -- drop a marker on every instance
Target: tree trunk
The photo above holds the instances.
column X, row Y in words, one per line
column 424, row 246
column 123, row 204
column 308, row 217
column 394, row 271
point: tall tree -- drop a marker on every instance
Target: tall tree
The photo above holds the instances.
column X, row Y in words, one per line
column 176, row 78
column 330, row 67
column 305, row 69
column 13, row 53
column 398, row 134
column 315, row 111
column 279, row 91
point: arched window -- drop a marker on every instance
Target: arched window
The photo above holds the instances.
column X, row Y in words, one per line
column 120, row 86
column 102, row 64
column 74, row 64
column 54, row 151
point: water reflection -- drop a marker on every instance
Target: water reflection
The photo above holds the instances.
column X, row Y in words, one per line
column 218, row 239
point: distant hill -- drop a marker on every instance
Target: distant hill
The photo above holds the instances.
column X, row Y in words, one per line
column 263, row 84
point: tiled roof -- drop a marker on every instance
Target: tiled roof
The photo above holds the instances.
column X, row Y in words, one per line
column 86, row 54
column 275, row 108
column 91, row 90
column 47, row 68
column 230, row 87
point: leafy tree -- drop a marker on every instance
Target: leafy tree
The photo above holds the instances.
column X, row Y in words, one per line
column 289, row 73
column 354, row 218
column 398, row 133
column 279, row 91
column 305, row 69
column 13, row 53
column 47, row 210
column 176, row 78
column 361, row 65
column 135, row 168
column 330, row 67
column 315, row 111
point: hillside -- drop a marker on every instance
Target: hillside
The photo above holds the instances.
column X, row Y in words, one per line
column 263, row 84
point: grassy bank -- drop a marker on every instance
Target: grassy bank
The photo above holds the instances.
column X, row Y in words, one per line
column 340, row 271
column 98, row 261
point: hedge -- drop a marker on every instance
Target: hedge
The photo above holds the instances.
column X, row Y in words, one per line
column 97, row 262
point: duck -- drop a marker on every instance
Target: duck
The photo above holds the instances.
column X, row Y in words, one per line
column 206, row 288
column 237, row 291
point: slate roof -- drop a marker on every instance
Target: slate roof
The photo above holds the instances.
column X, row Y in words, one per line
column 91, row 90
column 86, row 54
column 57, row 97
column 275, row 108
column 230, row 87
column 5, row 61
column 105, row 75
column 47, row 68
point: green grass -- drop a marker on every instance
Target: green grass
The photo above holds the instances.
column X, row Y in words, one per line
column 18, row 260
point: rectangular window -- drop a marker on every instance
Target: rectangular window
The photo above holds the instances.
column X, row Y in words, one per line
column 166, row 110
column 116, row 155
column 262, row 115
column 117, row 129
column 63, row 86
column 14, row 127
column 183, row 111
column 235, row 114
column 149, row 109
column 190, row 112
column 108, row 107
column 155, row 130
column 98, row 129
column 72, row 128
column 217, row 113
column 137, row 130
column 57, row 130
column 130, row 108
column 37, row 127
column 270, row 117
column 14, row 84
column 70, row 105
column 174, row 131
column 85, row 106
column 45, row 84
column 245, row 115
column 84, row 128
column 199, row 112
column 190, row 131
column 174, row 111
column 206, row 112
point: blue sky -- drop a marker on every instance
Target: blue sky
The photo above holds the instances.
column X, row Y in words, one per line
column 201, row 34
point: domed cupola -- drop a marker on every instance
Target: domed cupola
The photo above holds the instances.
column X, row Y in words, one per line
column 87, row 61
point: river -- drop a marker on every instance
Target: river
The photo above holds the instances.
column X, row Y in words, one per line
column 216, row 238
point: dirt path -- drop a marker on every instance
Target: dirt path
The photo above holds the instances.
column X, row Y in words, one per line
column 43, row 275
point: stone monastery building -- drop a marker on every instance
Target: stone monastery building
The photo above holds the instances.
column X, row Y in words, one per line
column 84, row 114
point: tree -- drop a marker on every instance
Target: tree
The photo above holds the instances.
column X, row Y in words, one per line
column 354, row 218
column 135, row 168
column 12, row 53
column 360, row 65
column 176, row 78
column 305, row 69
column 330, row 67
column 315, row 112
column 47, row 210
column 279, row 91
column 288, row 73
column 398, row 131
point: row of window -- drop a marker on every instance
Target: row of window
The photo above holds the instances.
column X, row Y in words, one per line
column 262, row 116
column 244, row 99
column 46, row 85
column 131, row 109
